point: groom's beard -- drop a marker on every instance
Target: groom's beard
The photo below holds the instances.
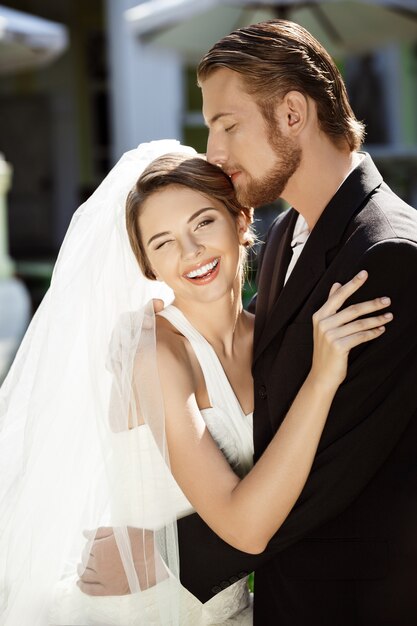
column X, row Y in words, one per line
column 269, row 187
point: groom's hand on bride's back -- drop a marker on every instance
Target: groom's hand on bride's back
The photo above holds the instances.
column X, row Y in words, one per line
column 102, row 572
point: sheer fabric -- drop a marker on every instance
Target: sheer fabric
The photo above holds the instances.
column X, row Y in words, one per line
column 82, row 435
column 61, row 408
column 137, row 500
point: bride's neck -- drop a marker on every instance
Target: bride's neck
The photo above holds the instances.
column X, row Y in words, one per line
column 220, row 322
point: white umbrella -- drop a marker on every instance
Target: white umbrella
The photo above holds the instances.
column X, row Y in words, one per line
column 342, row 26
column 28, row 41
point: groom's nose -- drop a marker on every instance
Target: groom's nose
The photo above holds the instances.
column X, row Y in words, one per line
column 216, row 150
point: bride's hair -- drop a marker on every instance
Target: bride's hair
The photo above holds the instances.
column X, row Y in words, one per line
column 181, row 170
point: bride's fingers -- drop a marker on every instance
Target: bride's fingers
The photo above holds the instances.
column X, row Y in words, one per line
column 351, row 341
column 354, row 311
column 339, row 296
column 357, row 327
column 335, row 287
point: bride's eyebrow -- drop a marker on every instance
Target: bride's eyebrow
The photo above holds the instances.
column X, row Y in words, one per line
column 197, row 213
column 156, row 236
column 193, row 216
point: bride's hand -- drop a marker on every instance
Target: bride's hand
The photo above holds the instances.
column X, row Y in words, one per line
column 158, row 305
column 337, row 332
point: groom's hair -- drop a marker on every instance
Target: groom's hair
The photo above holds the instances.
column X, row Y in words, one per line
column 180, row 170
column 279, row 56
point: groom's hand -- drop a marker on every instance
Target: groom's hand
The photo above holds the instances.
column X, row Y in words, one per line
column 104, row 574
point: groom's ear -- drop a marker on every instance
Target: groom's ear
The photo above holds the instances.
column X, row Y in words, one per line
column 293, row 112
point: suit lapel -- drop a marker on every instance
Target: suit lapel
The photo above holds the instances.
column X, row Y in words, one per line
column 274, row 265
column 305, row 275
column 311, row 265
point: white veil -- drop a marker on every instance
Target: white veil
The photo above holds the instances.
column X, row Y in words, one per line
column 65, row 412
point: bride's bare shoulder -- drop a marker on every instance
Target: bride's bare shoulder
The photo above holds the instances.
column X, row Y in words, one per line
column 171, row 346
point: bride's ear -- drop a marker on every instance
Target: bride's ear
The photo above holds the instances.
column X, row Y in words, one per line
column 242, row 229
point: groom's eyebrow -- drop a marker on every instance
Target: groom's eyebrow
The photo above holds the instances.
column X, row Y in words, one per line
column 216, row 117
column 190, row 219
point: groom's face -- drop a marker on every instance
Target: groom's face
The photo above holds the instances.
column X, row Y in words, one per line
column 257, row 157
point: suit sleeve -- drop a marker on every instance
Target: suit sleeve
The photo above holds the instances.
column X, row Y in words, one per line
column 363, row 427
column 375, row 403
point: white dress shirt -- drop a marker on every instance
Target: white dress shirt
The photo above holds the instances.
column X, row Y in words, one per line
column 300, row 236
column 301, row 232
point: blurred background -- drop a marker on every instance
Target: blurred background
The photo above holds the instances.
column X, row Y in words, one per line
column 82, row 82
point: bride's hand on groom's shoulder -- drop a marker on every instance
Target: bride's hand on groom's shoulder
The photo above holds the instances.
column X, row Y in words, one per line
column 337, row 330
column 102, row 572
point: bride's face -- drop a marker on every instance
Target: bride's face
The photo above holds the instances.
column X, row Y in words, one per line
column 193, row 243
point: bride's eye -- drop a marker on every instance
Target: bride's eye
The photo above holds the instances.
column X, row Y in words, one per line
column 159, row 246
column 204, row 223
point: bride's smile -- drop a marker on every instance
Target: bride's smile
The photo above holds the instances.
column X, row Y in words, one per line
column 204, row 273
column 192, row 243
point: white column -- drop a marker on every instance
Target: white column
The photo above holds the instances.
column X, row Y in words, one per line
column 389, row 61
column 146, row 91
column 14, row 298
column 6, row 264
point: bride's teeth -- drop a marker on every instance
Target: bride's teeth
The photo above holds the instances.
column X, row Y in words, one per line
column 203, row 270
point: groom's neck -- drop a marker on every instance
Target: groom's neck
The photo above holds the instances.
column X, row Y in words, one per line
column 322, row 170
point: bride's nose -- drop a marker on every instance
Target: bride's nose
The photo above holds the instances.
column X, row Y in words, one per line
column 191, row 248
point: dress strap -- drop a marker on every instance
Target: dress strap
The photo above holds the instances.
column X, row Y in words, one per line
column 219, row 389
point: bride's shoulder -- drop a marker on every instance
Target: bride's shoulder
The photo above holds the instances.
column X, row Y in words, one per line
column 171, row 347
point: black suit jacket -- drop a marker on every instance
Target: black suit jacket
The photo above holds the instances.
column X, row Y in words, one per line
column 347, row 553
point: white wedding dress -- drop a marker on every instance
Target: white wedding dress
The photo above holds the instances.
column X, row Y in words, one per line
column 232, row 430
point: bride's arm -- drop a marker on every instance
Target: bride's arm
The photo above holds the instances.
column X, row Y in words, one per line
column 247, row 513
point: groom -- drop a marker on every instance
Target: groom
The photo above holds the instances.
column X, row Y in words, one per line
column 280, row 125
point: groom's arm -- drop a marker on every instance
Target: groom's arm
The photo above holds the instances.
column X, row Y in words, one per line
column 369, row 414
column 376, row 402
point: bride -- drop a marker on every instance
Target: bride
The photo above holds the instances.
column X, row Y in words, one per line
column 165, row 429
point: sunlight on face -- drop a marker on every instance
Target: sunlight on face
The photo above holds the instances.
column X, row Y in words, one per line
column 258, row 158
column 192, row 243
